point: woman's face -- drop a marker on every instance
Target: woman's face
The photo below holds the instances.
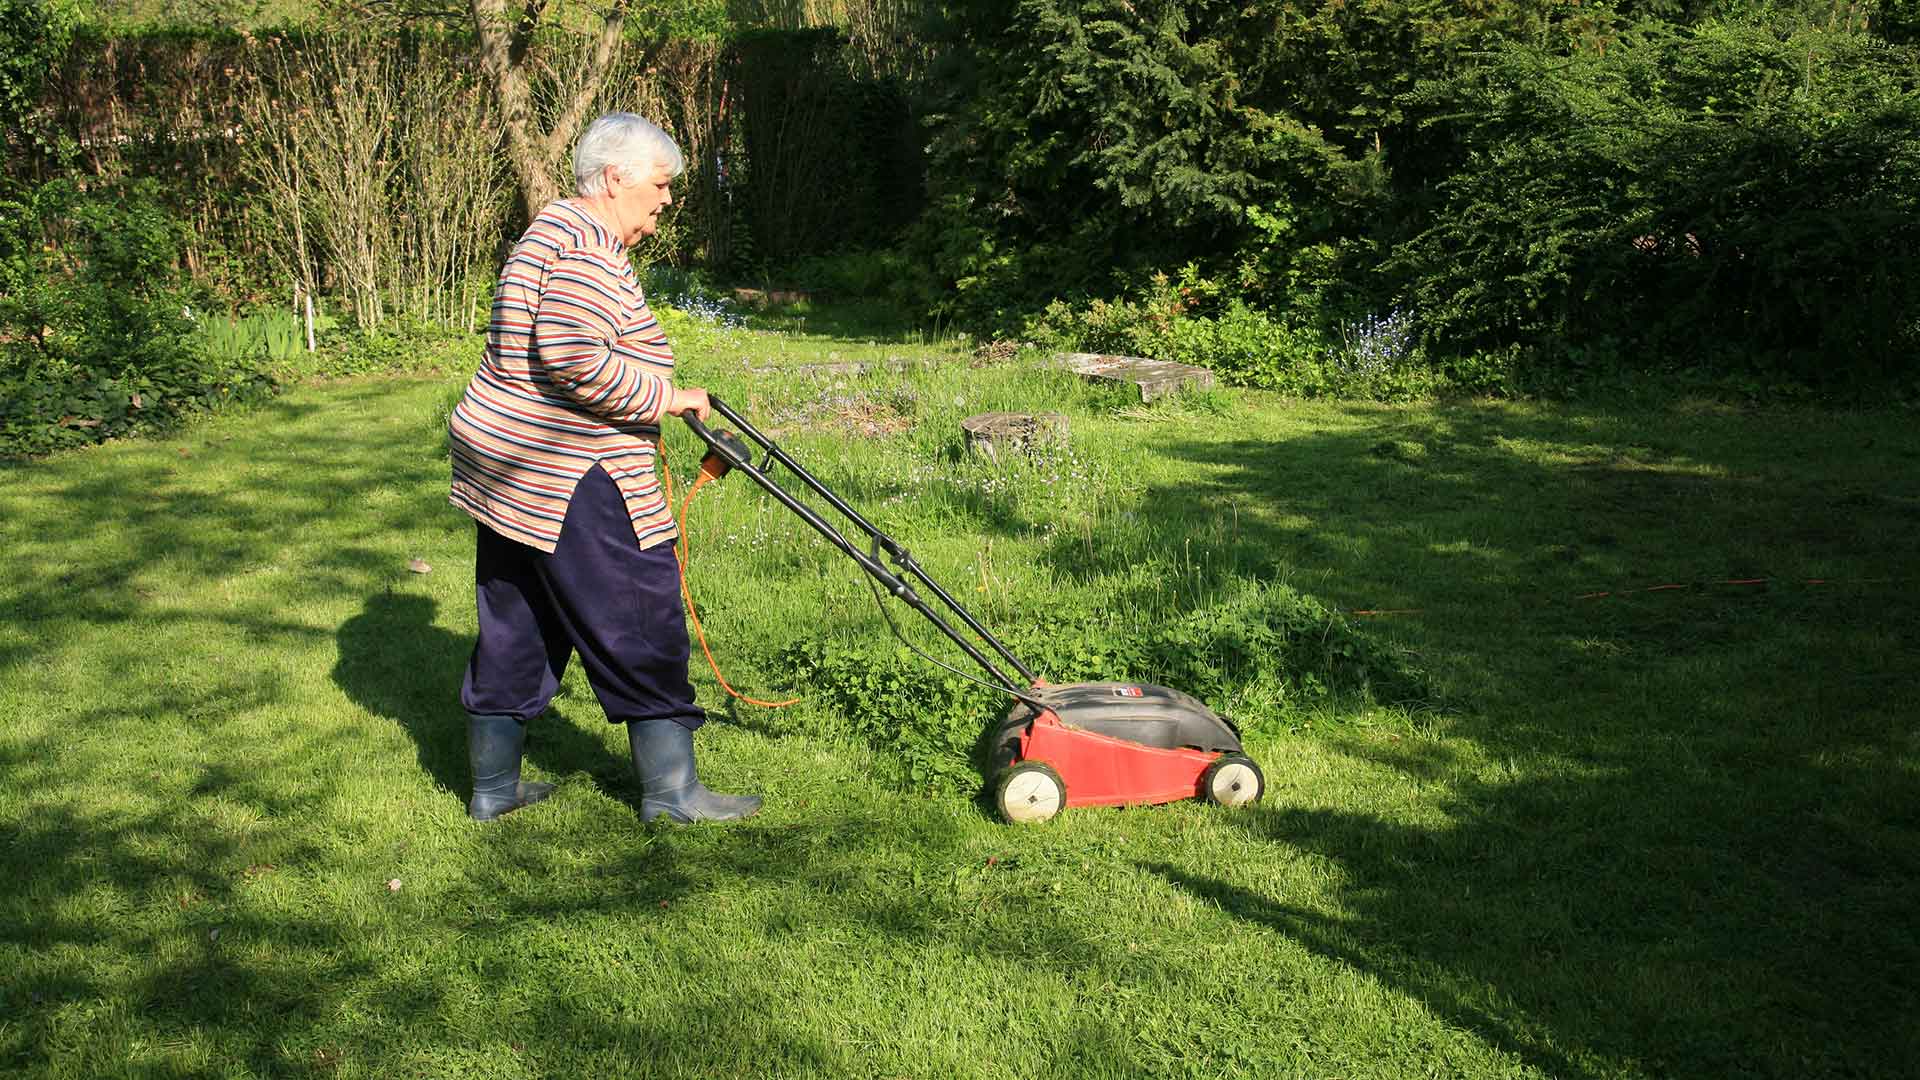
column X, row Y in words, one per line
column 639, row 201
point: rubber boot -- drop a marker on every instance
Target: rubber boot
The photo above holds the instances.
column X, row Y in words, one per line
column 493, row 748
column 663, row 757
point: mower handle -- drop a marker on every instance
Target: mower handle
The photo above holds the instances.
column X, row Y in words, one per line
column 733, row 452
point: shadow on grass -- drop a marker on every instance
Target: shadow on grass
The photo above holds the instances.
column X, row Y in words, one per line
column 844, row 319
column 1579, row 924
column 395, row 663
column 1701, row 858
column 1689, row 850
column 213, row 507
column 196, row 895
column 158, row 870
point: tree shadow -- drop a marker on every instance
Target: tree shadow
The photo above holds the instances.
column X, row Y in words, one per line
column 1675, row 883
column 1697, row 854
column 212, row 890
column 840, row 319
column 270, row 494
column 1580, row 923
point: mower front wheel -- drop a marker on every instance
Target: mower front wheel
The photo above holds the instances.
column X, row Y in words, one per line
column 1029, row 791
column 1233, row 780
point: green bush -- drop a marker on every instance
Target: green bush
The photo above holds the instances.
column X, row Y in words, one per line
column 1260, row 655
column 97, row 337
column 925, row 722
column 401, row 345
column 1898, row 20
column 1729, row 199
column 34, row 36
column 1556, row 195
column 1372, row 358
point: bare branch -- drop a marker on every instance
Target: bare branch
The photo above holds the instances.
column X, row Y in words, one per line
column 596, row 77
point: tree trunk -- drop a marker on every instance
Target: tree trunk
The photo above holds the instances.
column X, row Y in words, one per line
column 534, row 152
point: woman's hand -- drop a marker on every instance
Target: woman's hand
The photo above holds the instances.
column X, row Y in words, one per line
column 690, row 399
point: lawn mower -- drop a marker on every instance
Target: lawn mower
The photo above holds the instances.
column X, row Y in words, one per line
column 1058, row 745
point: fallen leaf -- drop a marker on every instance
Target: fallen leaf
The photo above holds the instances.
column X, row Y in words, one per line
column 419, row 566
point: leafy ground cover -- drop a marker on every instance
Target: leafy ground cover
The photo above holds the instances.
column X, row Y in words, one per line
column 1510, row 830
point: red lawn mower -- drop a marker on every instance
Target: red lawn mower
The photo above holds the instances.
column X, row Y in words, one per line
column 1071, row 744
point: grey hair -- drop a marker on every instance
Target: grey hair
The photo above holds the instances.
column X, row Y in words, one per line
column 628, row 142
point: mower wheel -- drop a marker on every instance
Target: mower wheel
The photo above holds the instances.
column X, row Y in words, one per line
column 1029, row 791
column 1233, row 780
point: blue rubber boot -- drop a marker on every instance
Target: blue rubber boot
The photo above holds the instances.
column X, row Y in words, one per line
column 493, row 749
column 663, row 757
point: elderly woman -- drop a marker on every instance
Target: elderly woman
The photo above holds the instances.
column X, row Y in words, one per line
column 554, row 446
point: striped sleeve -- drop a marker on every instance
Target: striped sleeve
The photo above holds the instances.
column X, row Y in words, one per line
column 576, row 338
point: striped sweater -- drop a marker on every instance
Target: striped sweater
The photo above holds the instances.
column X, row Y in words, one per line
column 576, row 373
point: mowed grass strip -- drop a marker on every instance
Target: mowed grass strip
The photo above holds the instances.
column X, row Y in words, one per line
column 1650, row 834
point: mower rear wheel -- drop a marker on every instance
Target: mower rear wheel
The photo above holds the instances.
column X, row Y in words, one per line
column 1029, row 792
column 1233, row 780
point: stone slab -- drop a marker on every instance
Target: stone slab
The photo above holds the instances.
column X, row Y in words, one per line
column 1154, row 377
column 770, row 297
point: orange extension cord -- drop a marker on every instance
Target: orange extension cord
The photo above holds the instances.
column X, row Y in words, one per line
column 710, row 469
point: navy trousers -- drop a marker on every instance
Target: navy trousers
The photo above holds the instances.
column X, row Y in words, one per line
column 599, row 595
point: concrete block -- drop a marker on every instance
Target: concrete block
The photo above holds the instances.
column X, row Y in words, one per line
column 1153, row 377
column 995, row 435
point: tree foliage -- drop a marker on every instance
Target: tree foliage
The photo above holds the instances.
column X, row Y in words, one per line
column 1729, row 196
column 33, row 38
column 1084, row 140
column 1726, row 183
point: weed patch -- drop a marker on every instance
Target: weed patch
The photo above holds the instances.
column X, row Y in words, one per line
column 1265, row 656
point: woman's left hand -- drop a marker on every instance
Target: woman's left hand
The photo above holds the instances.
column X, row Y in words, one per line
column 690, row 399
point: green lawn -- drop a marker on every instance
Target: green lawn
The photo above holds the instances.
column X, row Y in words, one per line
column 1670, row 833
